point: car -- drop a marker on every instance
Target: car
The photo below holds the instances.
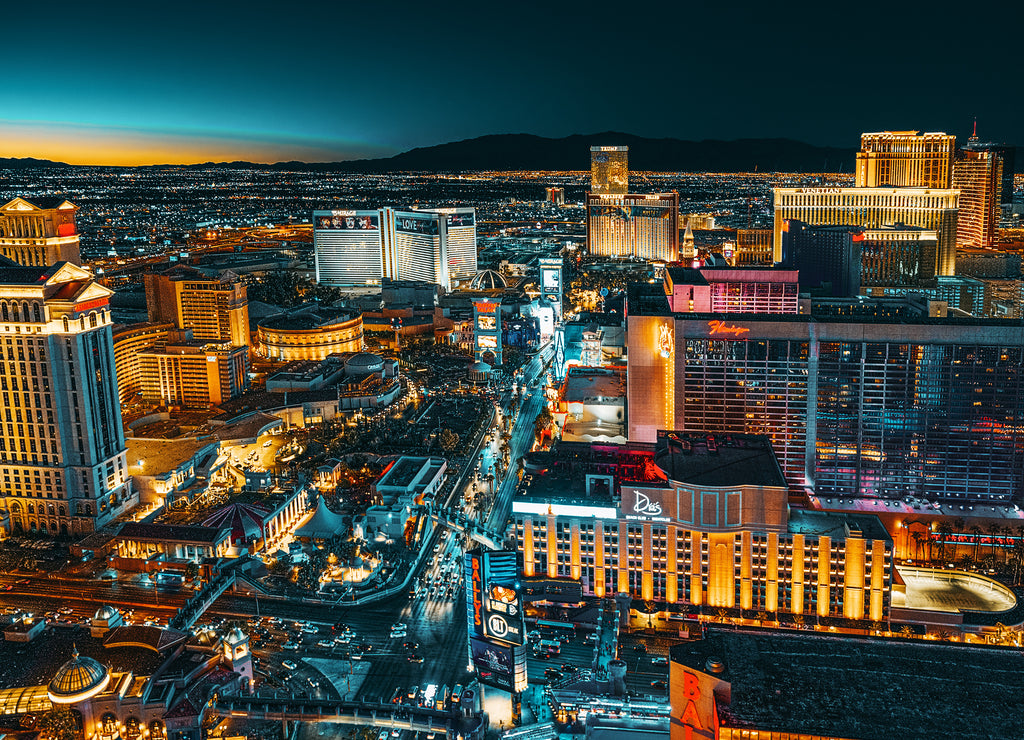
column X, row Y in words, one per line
column 396, row 732
column 325, row 644
column 289, row 664
column 659, row 660
column 6, row 587
column 659, row 684
column 289, row 646
column 411, row 645
column 640, row 648
column 366, row 647
column 415, row 658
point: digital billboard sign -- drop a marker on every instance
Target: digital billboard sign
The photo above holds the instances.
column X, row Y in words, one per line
column 461, row 219
column 501, row 666
column 416, row 224
column 347, row 221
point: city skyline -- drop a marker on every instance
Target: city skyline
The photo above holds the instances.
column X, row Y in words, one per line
column 312, row 84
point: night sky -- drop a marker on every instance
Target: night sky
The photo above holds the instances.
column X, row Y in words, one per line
column 127, row 83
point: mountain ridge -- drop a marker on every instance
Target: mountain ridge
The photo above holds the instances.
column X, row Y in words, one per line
column 529, row 152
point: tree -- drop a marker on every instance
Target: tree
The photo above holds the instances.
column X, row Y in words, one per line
column 448, row 440
column 945, row 529
column 59, row 723
column 976, row 531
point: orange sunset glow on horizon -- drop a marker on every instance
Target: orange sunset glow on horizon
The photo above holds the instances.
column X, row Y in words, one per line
column 101, row 146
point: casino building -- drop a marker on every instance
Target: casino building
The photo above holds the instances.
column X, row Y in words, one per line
column 927, row 208
column 435, row 245
column 860, row 398
column 39, row 232
column 630, row 225
column 696, row 520
column 310, row 335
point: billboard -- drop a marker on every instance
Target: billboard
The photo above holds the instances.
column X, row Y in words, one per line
column 494, row 610
column 347, row 221
column 503, row 667
column 487, row 322
column 414, row 223
column 462, row 219
column 550, row 279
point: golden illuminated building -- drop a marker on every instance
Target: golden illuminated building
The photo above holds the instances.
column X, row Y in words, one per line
column 609, row 170
column 698, row 519
column 39, row 232
column 129, row 342
column 753, row 247
column 62, row 449
column 978, row 175
column 191, row 374
column 905, row 159
column 934, row 210
column 310, row 336
column 213, row 309
column 641, row 226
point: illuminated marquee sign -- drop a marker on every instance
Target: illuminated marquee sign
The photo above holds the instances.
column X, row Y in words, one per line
column 90, row 305
column 695, row 726
column 718, row 328
column 643, row 506
column 476, row 586
column 666, row 342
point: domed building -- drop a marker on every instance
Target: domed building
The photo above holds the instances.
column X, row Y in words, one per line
column 79, row 679
column 488, row 280
column 312, row 335
column 105, row 619
column 362, row 364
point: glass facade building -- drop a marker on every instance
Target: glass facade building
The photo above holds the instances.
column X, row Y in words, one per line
column 609, row 170
column 930, row 407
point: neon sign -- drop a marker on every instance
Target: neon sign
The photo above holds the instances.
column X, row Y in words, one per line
column 720, row 327
column 644, row 505
column 478, row 606
column 665, row 340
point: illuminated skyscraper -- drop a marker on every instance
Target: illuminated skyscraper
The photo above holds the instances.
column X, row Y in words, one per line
column 609, row 170
column 935, row 210
column 905, row 159
column 352, row 247
column 753, row 247
column 978, row 175
column 459, row 236
column 555, row 196
column 39, row 232
column 213, row 309
column 62, row 449
column 642, row 226
column 435, row 245
column 859, row 398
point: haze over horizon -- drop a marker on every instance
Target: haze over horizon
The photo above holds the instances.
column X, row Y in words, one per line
column 201, row 82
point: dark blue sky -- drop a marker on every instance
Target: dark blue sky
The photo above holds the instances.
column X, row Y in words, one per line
column 268, row 81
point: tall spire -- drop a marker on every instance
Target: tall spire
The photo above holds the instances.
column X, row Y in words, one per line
column 974, row 134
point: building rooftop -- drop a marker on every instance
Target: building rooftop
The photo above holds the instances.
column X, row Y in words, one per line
column 154, row 456
column 838, row 526
column 717, row 460
column 586, row 383
column 168, row 532
column 851, row 687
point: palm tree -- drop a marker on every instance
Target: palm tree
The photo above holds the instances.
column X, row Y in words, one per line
column 994, row 531
column 976, row 531
column 958, row 526
column 945, row 529
column 918, row 538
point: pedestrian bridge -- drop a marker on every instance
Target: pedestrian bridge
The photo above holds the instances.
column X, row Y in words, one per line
column 463, row 525
column 453, row 724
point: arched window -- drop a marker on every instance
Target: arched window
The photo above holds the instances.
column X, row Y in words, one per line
column 107, row 729
column 31, row 509
column 37, row 315
column 5, row 312
column 50, row 510
column 157, row 730
column 15, row 508
column 66, row 326
column 92, row 320
column 62, row 510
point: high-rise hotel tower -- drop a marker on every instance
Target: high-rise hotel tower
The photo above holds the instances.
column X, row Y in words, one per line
column 609, row 170
column 905, row 159
column 62, row 449
column 39, row 232
column 633, row 225
column 978, row 175
column 934, row 210
column 362, row 247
